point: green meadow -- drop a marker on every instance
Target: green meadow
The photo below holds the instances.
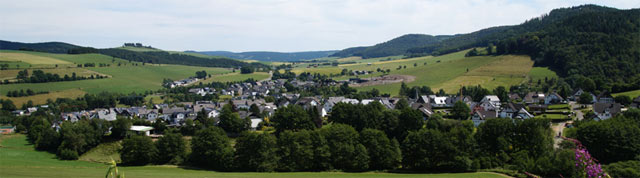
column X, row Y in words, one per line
column 450, row 72
column 19, row 159
column 633, row 94
column 126, row 78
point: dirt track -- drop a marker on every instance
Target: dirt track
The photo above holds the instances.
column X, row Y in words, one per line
column 388, row 79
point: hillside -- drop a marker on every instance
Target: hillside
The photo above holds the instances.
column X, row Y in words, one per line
column 268, row 56
column 124, row 76
column 396, row 46
column 50, row 47
column 580, row 43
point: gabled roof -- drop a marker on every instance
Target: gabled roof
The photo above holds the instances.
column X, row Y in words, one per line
column 602, row 107
column 605, row 94
column 555, row 95
column 484, row 115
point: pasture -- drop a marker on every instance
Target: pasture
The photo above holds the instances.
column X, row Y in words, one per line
column 11, row 74
column 42, row 98
column 123, row 79
column 29, row 58
column 633, row 94
column 540, row 73
column 237, row 76
column 451, row 72
column 19, row 159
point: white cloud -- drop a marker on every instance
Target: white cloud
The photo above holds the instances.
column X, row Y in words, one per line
column 244, row 25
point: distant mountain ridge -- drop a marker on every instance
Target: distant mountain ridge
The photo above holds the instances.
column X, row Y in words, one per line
column 269, row 56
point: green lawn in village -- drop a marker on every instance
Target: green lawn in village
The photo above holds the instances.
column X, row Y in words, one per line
column 19, row 159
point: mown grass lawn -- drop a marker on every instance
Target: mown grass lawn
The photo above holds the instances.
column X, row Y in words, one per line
column 19, row 159
column 552, row 116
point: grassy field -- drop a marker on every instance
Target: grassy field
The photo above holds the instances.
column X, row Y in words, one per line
column 552, row 116
column 30, row 58
column 124, row 79
column 42, row 98
column 539, row 73
column 504, row 71
column 232, row 77
column 11, row 74
column 451, row 72
column 633, row 94
column 18, row 159
column 63, row 59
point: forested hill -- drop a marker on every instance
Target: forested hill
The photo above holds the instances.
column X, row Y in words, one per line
column 585, row 44
column 396, row 46
column 49, row 47
column 269, row 56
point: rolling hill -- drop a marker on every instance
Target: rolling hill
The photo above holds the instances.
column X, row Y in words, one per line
column 269, row 56
column 581, row 43
column 394, row 47
column 50, row 47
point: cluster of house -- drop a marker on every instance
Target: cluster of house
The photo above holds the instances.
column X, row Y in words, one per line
column 247, row 90
column 183, row 82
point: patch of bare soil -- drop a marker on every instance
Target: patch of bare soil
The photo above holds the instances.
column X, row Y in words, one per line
column 383, row 80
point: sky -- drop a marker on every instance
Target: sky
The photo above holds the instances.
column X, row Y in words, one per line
column 261, row 25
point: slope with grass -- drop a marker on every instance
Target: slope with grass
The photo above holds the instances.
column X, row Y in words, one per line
column 633, row 94
column 19, row 159
column 237, row 76
column 123, row 79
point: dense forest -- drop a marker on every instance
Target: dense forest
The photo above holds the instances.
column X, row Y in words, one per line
column 269, row 56
column 600, row 44
column 49, row 47
column 394, row 47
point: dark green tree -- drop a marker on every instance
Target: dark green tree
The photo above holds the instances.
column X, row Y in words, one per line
column 292, row 117
column 211, row 149
column 256, row 152
column 383, row 153
column 171, row 148
column 137, row 150
column 460, row 111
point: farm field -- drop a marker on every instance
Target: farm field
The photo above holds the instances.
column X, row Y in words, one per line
column 19, row 159
column 62, row 59
column 42, row 98
column 540, row 73
column 633, row 94
column 123, row 79
column 232, row 77
column 11, row 74
column 451, row 72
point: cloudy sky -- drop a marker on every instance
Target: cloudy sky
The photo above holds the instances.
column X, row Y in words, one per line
column 267, row 25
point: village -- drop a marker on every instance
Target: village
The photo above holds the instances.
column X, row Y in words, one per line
column 269, row 95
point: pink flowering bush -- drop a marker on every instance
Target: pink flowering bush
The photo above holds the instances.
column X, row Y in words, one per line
column 587, row 165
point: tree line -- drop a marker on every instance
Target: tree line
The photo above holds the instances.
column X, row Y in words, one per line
column 39, row 76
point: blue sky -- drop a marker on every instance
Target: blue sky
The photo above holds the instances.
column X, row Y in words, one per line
column 261, row 25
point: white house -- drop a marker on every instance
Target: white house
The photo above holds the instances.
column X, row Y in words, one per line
column 141, row 129
column 493, row 99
